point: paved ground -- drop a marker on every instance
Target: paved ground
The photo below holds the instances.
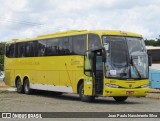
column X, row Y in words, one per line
column 40, row 101
column 48, row 102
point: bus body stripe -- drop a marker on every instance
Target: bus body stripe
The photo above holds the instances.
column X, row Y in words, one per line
column 52, row 88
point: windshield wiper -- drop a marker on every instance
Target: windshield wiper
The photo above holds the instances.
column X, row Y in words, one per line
column 132, row 63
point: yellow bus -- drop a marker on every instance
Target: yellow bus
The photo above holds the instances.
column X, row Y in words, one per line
column 91, row 63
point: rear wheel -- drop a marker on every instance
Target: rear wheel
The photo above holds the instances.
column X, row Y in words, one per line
column 120, row 99
column 83, row 97
column 27, row 89
column 19, row 86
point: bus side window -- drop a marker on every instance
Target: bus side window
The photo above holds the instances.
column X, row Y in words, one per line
column 79, row 44
column 7, row 50
column 65, row 47
column 10, row 50
column 20, row 49
column 51, row 47
column 41, row 47
column 93, row 41
column 31, row 49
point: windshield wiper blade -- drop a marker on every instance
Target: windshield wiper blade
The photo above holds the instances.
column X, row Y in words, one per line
column 132, row 63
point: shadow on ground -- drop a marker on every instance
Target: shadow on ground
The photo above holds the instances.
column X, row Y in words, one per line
column 75, row 97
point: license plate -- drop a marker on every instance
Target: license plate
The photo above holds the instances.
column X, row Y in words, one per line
column 130, row 92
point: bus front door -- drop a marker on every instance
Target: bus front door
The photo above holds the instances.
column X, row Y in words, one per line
column 93, row 68
column 98, row 73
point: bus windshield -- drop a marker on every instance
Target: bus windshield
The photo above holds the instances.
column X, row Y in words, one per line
column 126, row 57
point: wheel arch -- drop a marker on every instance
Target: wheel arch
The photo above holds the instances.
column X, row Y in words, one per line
column 16, row 79
column 25, row 77
column 79, row 83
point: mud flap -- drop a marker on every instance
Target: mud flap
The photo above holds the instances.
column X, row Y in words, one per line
column 88, row 87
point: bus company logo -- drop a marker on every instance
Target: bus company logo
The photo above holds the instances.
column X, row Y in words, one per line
column 6, row 115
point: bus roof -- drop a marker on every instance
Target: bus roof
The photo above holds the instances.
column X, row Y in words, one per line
column 79, row 32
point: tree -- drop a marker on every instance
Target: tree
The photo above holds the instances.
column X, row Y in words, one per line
column 152, row 42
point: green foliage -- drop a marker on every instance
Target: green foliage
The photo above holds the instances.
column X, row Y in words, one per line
column 2, row 59
column 152, row 42
column 2, row 48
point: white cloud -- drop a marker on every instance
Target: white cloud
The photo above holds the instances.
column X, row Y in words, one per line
column 15, row 5
column 29, row 18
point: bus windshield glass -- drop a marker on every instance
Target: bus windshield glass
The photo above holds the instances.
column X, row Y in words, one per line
column 126, row 57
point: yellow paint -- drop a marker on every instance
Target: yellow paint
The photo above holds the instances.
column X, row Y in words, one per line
column 88, row 87
column 124, row 87
column 66, row 70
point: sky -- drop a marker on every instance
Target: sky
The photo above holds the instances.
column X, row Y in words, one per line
column 30, row 18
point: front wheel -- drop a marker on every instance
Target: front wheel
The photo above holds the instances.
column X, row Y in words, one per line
column 27, row 89
column 83, row 97
column 120, row 99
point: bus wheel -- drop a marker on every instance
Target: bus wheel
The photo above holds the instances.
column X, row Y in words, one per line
column 27, row 89
column 83, row 97
column 120, row 99
column 19, row 86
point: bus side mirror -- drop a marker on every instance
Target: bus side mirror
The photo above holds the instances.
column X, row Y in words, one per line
column 149, row 60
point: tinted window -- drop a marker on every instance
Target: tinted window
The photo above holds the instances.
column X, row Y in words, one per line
column 93, row 41
column 51, row 47
column 65, row 46
column 79, row 44
column 41, row 47
column 10, row 50
column 31, row 49
column 20, row 49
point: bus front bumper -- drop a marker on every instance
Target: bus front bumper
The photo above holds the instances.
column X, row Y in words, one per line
column 112, row 92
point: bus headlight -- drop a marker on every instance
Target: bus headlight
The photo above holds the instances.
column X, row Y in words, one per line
column 112, row 85
column 144, row 86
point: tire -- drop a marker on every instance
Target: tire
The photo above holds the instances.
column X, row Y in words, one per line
column 27, row 89
column 19, row 86
column 83, row 97
column 120, row 99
